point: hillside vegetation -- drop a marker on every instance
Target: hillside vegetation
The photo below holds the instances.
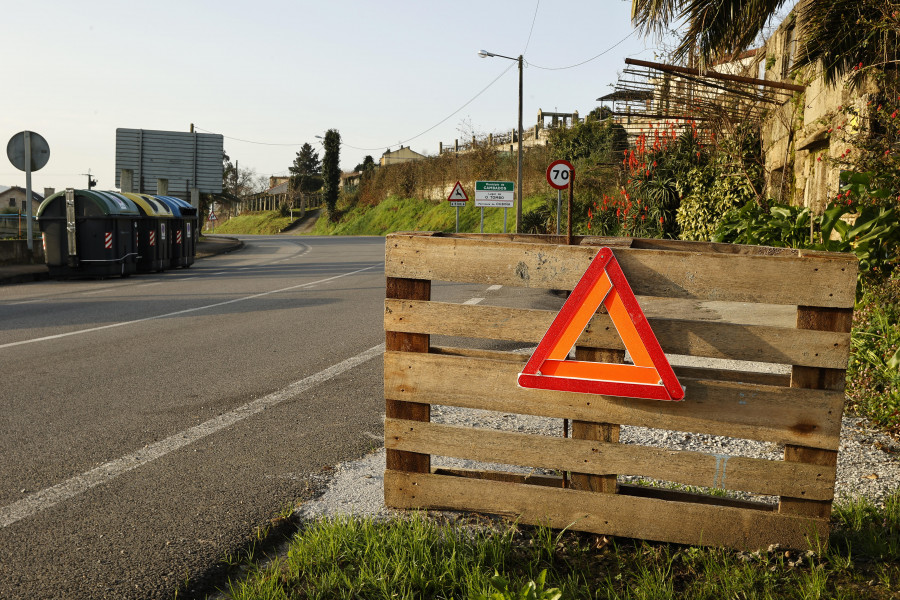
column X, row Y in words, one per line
column 407, row 214
column 262, row 223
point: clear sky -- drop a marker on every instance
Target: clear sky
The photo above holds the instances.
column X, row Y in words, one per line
column 281, row 73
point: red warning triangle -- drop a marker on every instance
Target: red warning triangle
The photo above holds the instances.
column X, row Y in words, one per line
column 650, row 376
column 458, row 194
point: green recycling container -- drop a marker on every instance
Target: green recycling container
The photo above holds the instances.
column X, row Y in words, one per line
column 89, row 233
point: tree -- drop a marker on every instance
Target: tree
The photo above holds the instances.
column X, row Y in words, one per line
column 840, row 33
column 366, row 166
column 306, row 170
column 331, row 170
column 594, row 140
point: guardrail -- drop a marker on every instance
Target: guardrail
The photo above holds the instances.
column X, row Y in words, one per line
column 15, row 226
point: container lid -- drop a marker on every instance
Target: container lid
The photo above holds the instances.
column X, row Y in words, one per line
column 108, row 203
column 179, row 207
column 151, row 206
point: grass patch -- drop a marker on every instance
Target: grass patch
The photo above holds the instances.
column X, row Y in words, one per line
column 405, row 214
column 262, row 223
column 471, row 557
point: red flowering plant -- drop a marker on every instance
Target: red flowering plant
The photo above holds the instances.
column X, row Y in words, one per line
column 654, row 172
column 875, row 139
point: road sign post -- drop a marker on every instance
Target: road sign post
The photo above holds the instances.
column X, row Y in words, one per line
column 559, row 175
column 494, row 194
column 28, row 151
column 458, row 198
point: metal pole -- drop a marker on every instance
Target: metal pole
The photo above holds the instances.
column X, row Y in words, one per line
column 571, row 201
column 504, row 218
column 28, row 230
column 457, row 219
column 558, row 209
column 482, row 219
column 519, row 161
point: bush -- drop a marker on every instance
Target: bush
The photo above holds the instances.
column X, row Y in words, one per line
column 873, row 375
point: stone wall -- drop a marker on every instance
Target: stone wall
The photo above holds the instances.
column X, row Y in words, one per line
column 15, row 252
column 801, row 134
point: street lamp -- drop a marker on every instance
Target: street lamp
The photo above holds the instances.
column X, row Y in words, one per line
column 485, row 54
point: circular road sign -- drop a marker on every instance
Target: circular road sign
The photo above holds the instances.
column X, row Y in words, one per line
column 559, row 174
column 40, row 151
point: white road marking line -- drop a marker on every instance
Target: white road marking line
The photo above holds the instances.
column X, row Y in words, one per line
column 27, row 302
column 494, row 288
column 469, row 301
column 96, row 292
column 151, row 283
column 52, row 496
column 185, row 311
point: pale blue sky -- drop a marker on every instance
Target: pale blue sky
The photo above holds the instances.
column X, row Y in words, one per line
column 284, row 72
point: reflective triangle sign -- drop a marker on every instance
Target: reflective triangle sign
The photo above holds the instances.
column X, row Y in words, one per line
column 650, row 376
column 458, row 194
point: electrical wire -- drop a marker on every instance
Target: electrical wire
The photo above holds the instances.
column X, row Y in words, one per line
column 441, row 122
column 530, row 64
column 533, row 20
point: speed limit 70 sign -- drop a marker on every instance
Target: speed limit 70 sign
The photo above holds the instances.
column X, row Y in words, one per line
column 559, row 174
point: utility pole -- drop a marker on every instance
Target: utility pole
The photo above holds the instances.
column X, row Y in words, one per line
column 91, row 181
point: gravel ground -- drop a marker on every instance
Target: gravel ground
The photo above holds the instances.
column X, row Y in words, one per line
column 868, row 460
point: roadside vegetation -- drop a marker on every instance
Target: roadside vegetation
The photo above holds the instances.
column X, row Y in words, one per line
column 262, row 223
column 429, row 556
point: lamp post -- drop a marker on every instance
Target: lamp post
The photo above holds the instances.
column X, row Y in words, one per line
column 485, row 54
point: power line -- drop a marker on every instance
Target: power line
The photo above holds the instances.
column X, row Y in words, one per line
column 533, row 20
column 530, row 64
column 441, row 122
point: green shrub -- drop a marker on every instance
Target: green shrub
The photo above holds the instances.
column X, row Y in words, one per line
column 873, row 375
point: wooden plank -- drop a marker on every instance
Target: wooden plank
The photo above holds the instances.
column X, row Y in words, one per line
column 673, row 495
column 753, row 377
column 773, row 414
column 405, row 342
column 710, row 339
column 625, row 489
column 802, row 377
column 803, row 280
column 611, row 514
column 593, row 458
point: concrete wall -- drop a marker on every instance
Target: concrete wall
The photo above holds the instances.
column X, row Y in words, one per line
column 15, row 252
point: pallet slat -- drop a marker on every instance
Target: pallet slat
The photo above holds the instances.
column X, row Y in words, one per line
column 754, row 475
column 611, row 514
column 765, row 413
column 793, row 280
column 783, row 345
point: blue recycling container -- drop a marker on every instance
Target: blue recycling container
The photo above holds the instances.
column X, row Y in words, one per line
column 184, row 234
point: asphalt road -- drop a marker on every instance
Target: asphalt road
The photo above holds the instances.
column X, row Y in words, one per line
column 149, row 425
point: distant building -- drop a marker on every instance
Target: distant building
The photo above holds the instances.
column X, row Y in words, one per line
column 404, row 154
column 13, row 199
column 275, row 181
column 350, row 181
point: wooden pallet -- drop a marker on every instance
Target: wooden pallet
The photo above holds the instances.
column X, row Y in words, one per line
column 801, row 411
